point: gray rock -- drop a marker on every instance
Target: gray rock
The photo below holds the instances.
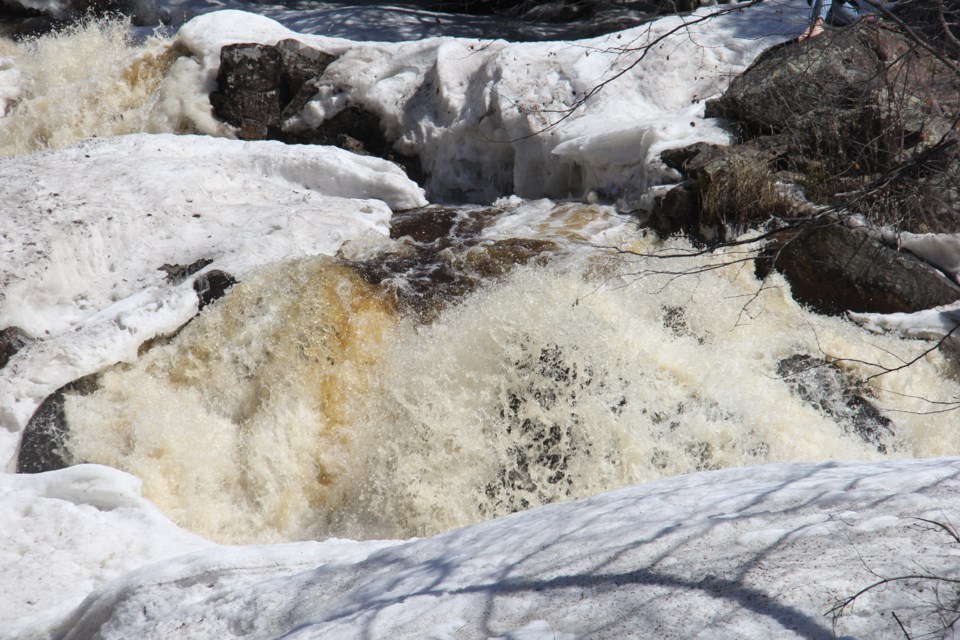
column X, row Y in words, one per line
column 867, row 121
column 248, row 95
column 12, row 339
column 299, row 64
column 262, row 87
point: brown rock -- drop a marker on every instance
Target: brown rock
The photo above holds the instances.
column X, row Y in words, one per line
column 834, row 269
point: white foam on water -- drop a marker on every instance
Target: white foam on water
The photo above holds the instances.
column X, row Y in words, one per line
column 92, row 80
column 301, row 407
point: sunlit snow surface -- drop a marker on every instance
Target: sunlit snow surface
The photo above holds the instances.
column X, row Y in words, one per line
column 758, row 553
column 748, row 553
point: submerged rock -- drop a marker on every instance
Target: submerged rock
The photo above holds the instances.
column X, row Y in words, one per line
column 544, row 427
column 823, row 385
column 443, row 257
column 43, row 443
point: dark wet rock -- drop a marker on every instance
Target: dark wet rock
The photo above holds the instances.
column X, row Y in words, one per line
column 43, row 443
column 12, row 339
column 835, row 269
column 261, row 88
column 427, row 277
column 443, row 258
column 177, row 273
column 426, row 224
column 248, row 94
column 728, row 190
column 212, row 285
column 676, row 210
column 824, row 386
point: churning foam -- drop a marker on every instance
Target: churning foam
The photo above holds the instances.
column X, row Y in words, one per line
column 301, row 406
column 92, row 80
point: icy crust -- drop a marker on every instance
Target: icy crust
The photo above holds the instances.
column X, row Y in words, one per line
column 742, row 553
column 86, row 230
column 929, row 324
column 68, row 531
column 72, row 530
column 492, row 118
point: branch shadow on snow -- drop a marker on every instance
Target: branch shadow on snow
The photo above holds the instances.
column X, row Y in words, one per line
column 767, row 549
column 632, row 581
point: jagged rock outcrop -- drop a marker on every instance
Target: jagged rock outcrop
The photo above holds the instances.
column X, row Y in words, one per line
column 256, row 82
column 865, row 119
column 858, row 118
column 261, row 88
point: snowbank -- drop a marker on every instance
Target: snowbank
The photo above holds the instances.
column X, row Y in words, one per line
column 746, row 553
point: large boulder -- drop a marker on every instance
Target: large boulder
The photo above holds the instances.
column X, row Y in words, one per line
column 868, row 119
column 858, row 119
column 835, row 93
column 256, row 82
column 835, row 269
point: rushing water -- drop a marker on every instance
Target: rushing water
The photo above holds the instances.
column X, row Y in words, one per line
column 479, row 362
column 310, row 402
column 93, row 80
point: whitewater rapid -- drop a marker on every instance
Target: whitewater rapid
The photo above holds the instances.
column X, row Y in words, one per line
column 310, row 403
